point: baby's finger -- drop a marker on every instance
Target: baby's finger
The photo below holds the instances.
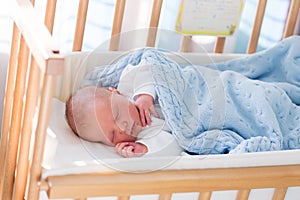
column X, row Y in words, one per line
column 119, row 150
column 154, row 112
column 147, row 116
column 122, row 152
column 120, row 146
column 128, row 151
column 142, row 116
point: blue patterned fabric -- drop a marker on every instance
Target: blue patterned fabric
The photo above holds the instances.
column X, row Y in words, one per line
column 248, row 104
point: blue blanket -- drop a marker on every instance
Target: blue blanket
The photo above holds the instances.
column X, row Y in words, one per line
column 248, row 104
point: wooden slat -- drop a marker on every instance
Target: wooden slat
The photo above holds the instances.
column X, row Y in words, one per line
column 219, row 46
column 80, row 25
column 16, row 121
column 25, row 138
column 260, row 12
column 165, row 196
column 185, row 43
column 243, row 195
column 164, row 182
column 50, row 14
column 204, row 196
column 117, row 25
column 8, row 100
column 292, row 18
column 124, row 198
column 40, row 137
column 155, row 15
column 279, row 194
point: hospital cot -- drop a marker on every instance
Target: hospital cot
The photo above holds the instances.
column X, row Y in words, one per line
column 40, row 79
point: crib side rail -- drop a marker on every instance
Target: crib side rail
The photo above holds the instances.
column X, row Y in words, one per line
column 205, row 181
column 34, row 62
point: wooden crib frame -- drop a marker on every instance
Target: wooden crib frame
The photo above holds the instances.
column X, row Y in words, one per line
column 35, row 62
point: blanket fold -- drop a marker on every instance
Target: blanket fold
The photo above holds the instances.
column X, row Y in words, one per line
column 247, row 104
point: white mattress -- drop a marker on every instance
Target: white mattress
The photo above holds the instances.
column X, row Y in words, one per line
column 65, row 153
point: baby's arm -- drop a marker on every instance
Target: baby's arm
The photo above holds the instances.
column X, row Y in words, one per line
column 131, row 149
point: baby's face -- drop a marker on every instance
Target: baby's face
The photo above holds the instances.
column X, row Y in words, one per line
column 121, row 121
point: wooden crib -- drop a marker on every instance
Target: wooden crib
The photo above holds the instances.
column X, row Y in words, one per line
column 35, row 62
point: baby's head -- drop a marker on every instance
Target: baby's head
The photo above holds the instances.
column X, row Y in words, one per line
column 100, row 115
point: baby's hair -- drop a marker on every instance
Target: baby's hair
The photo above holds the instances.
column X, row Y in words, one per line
column 80, row 107
column 69, row 114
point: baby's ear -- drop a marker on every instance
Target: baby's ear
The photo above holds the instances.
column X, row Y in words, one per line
column 111, row 89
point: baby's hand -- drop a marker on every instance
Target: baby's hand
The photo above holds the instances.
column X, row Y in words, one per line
column 131, row 149
column 145, row 104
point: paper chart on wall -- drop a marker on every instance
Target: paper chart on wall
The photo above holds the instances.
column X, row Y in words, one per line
column 209, row 17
